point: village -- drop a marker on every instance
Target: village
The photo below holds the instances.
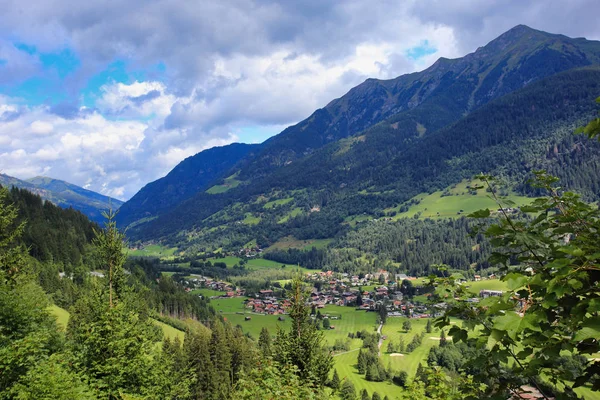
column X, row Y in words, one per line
column 368, row 292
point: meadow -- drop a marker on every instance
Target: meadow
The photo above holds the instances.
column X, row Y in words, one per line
column 154, row 250
column 459, row 203
column 229, row 183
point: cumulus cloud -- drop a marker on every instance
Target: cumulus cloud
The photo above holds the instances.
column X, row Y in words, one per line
column 228, row 65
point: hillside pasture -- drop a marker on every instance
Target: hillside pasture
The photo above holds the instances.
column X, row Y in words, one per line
column 459, row 202
column 153, row 250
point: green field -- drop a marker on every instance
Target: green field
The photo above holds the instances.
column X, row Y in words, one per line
column 460, row 202
column 290, row 242
column 294, row 212
column 486, row 284
column 351, row 321
column 230, row 261
column 280, row 202
column 62, row 316
column 207, row 292
column 169, row 331
column 153, row 250
column 262, row 263
column 229, row 183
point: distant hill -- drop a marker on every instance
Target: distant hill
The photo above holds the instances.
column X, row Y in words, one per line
column 65, row 195
column 189, row 177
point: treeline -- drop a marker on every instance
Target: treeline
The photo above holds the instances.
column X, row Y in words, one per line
column 312, row 259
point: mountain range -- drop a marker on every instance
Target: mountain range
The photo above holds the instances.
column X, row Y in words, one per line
column 65, row 195
column 508, row 108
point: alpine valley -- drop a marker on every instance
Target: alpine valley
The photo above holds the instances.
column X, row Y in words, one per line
column 429, row 237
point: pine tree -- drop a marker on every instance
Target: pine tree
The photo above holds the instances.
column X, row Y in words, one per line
column 347, row 392
column 303, row 344
column 335, row 381
column 111, row 337
column 12, row 255
column 443, row 341
column 364, row 395
column 362, row 362
column 391, row 348
column 264, row 342
column 220, row 357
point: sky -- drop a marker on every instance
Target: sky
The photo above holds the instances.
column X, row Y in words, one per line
column 112, row 94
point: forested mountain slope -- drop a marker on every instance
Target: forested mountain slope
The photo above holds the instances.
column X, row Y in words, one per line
column 189, row 177
column 65, row 195
column 414, row 105
column 314, row 198
column 428, row 100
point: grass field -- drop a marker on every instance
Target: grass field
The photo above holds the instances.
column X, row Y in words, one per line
column 62, row 316
column 289, row 242
column 153, row 250
column 206, row 292
column 350, row 320
column 294, row 212
column 230, row 261
column 261, row 263
column 279, row 202
column 486, row 284
column 250, row 219
column 460, row 202
column 229, row 183
column 169, row 331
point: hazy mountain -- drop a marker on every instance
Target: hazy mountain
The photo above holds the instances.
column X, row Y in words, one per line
column 65, row 195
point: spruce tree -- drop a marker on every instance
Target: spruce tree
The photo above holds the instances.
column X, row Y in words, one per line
column 347, row 392
column 264, row 342
column 391, row 348
column 443, row 341
column 303, row 344
column 428, row 327
column 111, row 337
column 335, row 381
column 376, row 396
column 364, row 395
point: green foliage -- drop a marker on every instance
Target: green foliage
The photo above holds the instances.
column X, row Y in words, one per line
column 434, row 384
column 271, row 380
column 550, row 264
column 264, row 342
column 364, row 395
column 52, row 379
column 11, row 255
column 335, row 381
column 347, row 392
column 303, row 345
column 406, row 326
column 592, row 129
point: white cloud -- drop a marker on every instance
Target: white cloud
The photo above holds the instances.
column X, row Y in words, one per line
column 230, row 65
column 105, row 155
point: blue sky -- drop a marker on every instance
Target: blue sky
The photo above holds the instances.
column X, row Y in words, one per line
column 111, row 98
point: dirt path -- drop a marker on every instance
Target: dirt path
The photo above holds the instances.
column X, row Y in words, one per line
column 346, row 352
